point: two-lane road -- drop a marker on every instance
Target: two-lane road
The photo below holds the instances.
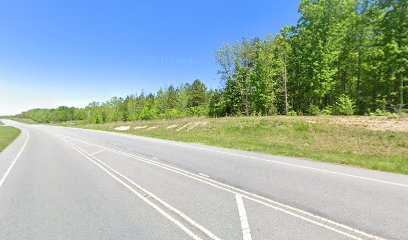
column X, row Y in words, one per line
column 66, row 183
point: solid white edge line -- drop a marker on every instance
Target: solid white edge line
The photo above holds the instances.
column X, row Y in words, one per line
column 170, row 142
column 246, row 232
column 15, row 159
column 237, row 190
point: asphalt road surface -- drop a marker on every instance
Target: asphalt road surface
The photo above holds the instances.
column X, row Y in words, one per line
column 66, row 183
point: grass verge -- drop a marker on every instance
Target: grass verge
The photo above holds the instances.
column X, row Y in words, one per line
column 23, row 120
column 7, row 136
column 316, row 138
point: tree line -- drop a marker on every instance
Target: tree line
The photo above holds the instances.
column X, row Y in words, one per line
column 183, row 101
column 342, row 57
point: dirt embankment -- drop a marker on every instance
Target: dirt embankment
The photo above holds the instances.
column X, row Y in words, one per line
column 372, row 123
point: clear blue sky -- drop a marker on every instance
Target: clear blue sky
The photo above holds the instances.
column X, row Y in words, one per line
column 73, row 52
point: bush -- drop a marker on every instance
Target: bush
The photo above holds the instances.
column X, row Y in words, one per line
column 328, row 110
column 291, row 113
column 380, row 112
column 313, row 110
column 392, row 115
column 344, row 106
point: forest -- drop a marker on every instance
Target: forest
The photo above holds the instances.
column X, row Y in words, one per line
column 343, row 57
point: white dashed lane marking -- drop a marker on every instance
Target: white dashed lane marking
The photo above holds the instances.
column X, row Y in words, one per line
column 246, row 233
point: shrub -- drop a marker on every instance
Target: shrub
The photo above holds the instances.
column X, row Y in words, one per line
column 392, row 115
column 291, row 113
column 379, row 112
column 328, row 110
column 313, row 110
column 344, row 106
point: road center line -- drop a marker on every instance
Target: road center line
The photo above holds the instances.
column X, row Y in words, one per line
column 204, row 175
column 107, row 169
column 97, row 152
column 295, row 212
column 246, row 233
column 15, row 159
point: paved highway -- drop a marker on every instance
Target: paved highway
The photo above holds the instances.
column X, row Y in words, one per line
column 66, row 183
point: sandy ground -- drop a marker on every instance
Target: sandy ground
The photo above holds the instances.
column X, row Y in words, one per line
column 373, row 123
column 122, row 128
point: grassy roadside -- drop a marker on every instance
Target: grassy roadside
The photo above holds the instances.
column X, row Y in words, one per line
column 7, row 136
column 23, row 120
column 322, row 138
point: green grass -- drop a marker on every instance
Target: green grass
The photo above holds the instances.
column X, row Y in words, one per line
column 23, row 120
column 7, row 136
column 315, row 138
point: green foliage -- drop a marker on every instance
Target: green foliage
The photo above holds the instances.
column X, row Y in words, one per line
column 380, row 112
column 313, row 110
column 186, row 100
column 328, row 110
column 50, row 115
column 344, row 106
column 292, row 113
column 197, row 94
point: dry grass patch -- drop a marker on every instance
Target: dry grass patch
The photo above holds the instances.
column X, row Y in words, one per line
column 399, row 124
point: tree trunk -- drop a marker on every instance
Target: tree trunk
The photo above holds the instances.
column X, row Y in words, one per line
column 401, row 93
column 360, row 46
column 284, row 84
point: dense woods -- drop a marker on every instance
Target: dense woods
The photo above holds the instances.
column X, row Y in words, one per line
column 343, row 57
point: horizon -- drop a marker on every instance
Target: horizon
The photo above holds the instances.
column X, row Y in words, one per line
column 73, row 53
